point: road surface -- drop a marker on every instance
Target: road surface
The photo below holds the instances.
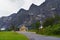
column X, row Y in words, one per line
column 33, row 36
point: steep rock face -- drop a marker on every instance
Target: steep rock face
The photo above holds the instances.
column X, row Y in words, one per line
column 48, row 9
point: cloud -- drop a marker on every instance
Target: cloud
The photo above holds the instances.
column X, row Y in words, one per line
column 4, row 13
column 38, row 2
column 8, row 7
column 27, row 3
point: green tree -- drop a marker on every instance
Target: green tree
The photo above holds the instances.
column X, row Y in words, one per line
column 57, row 18
column 12, row 28
column 49, row 21
column 35, row 25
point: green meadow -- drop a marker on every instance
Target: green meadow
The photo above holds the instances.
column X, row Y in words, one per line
column 12, row 36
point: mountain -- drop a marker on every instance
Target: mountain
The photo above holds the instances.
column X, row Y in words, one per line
column 48, row 9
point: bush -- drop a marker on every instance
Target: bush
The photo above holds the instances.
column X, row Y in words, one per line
column 51, row 30
column 56, row 29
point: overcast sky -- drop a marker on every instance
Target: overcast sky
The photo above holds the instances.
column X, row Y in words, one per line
column 8, row 7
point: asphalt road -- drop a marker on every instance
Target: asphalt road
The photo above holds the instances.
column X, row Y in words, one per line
column 33, row 36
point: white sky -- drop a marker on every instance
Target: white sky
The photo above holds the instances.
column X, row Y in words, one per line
column 8, row 7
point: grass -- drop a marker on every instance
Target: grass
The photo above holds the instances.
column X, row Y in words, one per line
column 12, row 36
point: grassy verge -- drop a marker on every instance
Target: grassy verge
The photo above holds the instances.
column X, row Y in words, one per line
column 12, row 36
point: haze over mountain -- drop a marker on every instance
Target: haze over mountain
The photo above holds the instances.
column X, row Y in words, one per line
column 48, row 9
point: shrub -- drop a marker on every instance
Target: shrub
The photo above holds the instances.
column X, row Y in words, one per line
column 51, row 30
